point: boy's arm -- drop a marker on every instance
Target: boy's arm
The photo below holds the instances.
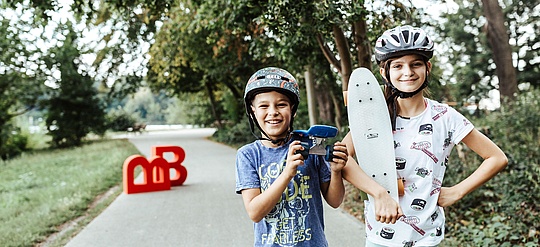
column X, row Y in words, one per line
column 334, row 191
column 494, row 161
column 387, row 210
column 258, row 204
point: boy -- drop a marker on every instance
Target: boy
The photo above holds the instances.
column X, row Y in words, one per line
column 282, row 191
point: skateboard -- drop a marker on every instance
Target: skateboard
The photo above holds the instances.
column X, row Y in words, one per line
column 371, row 130
column 313, row 140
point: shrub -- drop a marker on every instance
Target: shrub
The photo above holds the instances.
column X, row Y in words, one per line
column 13, row 142
column 235, row 135
column 119, row 121
column 504, row 212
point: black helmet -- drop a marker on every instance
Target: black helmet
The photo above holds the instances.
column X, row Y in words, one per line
column 271, row 79
column 403, row 40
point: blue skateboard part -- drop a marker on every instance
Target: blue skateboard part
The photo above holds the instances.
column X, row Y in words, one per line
column 318, row 131
column 321, row 131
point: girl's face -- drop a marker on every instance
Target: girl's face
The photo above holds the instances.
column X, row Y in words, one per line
column 273, row 113
column 408, row 73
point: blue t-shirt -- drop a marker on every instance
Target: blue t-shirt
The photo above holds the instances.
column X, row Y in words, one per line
column 297, row 219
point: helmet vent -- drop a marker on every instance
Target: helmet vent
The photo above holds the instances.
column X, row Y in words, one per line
column 416, row 35
column 395, row 37
column 406, row 36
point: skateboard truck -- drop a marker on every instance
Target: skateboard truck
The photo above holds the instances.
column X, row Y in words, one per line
column 313, row 141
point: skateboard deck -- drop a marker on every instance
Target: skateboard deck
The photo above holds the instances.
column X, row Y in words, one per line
column 371, row 130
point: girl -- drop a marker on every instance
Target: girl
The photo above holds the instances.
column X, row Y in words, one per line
column 425, row 131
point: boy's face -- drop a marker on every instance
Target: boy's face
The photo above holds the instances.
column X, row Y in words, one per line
column 273, row 113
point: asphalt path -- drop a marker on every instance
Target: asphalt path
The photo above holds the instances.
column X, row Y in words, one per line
column 205, row 211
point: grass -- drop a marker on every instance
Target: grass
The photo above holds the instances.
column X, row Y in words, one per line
column 42, row 190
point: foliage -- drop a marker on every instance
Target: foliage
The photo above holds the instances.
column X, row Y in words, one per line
column 74, row 109
column 463, row 34
column 235, row 135
column 119, row 120
column 505, row 211
column 21, row 76
column 197, row 109
column 42, row 190
column 14, row 142
column 200, row 49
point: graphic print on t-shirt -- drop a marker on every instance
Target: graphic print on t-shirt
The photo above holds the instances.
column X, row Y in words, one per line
column 287, row 220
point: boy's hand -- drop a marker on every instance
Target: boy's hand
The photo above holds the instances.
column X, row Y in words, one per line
column 294, row 158
column 340, row 156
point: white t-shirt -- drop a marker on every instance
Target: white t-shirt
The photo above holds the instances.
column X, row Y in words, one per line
column 422, row 147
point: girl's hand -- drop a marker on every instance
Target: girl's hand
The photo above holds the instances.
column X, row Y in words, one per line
column 448, row 196
column 387, row 210
column 340, row 157
column 294, row 158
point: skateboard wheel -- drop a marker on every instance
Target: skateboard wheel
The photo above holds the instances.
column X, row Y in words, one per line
column 329, row 153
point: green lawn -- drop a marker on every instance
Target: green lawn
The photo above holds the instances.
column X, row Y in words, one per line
column 42, row 190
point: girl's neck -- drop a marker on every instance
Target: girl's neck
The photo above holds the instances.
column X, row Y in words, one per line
column 411, row 107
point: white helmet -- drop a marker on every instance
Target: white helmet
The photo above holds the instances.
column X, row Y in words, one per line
column 403, row 40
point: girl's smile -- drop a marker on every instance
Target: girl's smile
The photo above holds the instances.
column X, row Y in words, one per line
column 408, row 72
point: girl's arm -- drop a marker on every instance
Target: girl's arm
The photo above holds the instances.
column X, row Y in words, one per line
column 387, row 210
column 494, row 161
column 258, row 204
column 334, row 191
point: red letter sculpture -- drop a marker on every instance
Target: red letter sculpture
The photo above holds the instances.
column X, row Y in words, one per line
column 156, row 172
column 176, row 164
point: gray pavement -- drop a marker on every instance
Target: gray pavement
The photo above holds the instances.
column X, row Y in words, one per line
column 205, row 211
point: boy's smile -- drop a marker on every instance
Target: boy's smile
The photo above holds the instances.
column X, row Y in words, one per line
column 273, row 113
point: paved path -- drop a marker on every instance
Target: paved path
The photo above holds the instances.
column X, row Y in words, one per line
column 205, row 211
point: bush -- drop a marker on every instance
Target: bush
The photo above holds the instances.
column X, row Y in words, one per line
column 504, row 212
column 235, row 135
column 119, row 121
column 13, row 142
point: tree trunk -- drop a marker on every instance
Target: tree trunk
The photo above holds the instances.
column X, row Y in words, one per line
column 310, row 93
column 213, row 105
column 325, row 103
column 363, row 47
column 344, row 54
column 498, row 38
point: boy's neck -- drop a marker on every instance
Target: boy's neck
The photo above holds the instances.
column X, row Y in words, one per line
column 270, row 144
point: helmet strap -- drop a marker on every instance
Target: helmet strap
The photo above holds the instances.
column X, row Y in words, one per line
column 396, row 93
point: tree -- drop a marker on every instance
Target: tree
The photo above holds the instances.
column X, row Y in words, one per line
column 21, row 76
column 498, row 38
column 74, row 109
column 472, row 47
column 340, row 31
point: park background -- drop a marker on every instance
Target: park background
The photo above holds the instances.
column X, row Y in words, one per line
column 72, row 72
